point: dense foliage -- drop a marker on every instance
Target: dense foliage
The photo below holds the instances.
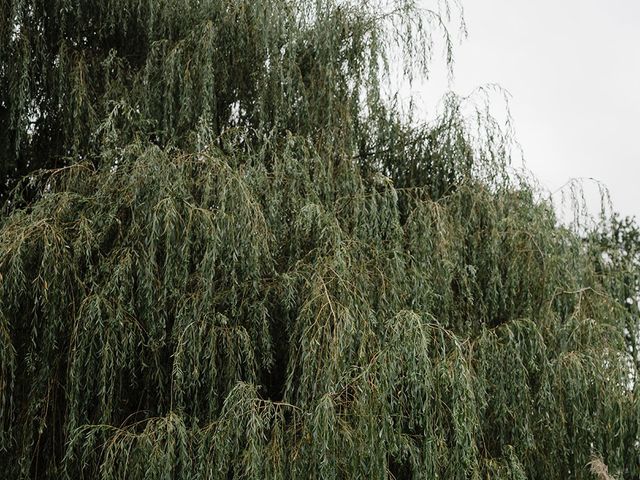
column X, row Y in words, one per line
column 242, row 261
column 615, row 246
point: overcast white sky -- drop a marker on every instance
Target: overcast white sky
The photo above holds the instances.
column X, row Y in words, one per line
column 572, row 68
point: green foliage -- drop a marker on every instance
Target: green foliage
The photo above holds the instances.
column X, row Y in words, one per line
column 75, row 75
column 616, row 252
column 250, row 266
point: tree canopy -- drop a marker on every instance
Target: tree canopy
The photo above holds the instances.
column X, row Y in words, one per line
column 227, row 252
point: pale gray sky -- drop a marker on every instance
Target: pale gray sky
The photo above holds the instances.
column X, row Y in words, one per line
column 572, row 68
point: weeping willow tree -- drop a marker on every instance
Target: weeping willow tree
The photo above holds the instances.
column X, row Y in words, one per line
column 616, row 251
column 226, row 253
